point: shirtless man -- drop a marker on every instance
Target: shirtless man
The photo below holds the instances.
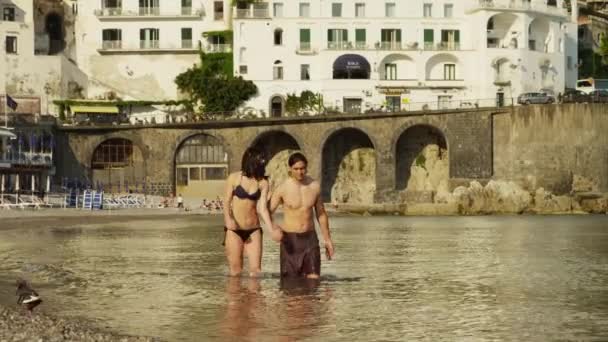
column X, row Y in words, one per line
column 300, row 194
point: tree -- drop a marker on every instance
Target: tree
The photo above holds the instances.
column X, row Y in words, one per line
column 603, row 48
column 307, row 102
column 211, row 87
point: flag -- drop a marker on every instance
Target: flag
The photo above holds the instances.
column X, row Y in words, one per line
column 12, row 104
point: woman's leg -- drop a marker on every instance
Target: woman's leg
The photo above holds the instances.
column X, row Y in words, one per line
column 253, row 249
column 234, row 252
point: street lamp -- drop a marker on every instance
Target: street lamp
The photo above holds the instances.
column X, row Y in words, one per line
column 47, row 91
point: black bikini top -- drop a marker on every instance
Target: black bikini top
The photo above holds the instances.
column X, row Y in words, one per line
column 241, row 193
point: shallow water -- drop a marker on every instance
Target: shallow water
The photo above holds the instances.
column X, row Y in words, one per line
column 393, row 278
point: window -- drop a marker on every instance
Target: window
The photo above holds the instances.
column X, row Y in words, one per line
column 337, row 38
column 359, row 10
column 11, row 44
column 429, row 39
column 449, row 72
column 427, row 10
column 360, row 38
column 390, row 39
column 277, row 70
column 195, row 173
column 304, row 9
column 243, row 69
column 111, row 4
column 444, row 101
column 448, row 10
column 186, row 38
column 278, row 37
column 8, row 14
column 389, row 9
column 111, row 38
column 390, row 71
column 305, row 72
column 305, row 40
column 186, row 7
column 450, row 39
column 149, row 7
column 148, row 38
column 218, row 10
column 393, row 103
column 277, row 9
column 336, row 9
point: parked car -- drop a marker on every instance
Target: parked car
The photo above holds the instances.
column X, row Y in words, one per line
column 599, row 95
column 575, row 96
column 530, row 98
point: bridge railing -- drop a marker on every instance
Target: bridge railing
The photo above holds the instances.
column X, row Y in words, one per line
column 451, row 105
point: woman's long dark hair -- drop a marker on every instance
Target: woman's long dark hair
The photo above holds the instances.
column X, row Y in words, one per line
column 253, row 164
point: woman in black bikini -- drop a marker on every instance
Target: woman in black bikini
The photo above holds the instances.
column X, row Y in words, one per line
column 246, row 192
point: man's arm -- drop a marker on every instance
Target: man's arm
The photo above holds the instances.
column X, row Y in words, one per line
column 324, row 225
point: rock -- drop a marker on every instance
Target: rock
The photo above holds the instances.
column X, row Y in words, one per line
column 356, row 178
column 545, row 203
column 433, row 173
column 583, row 184
column 595, row 205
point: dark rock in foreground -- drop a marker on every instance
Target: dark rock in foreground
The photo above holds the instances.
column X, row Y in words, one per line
column 16, row 325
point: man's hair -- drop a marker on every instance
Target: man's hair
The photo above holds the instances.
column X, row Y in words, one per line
column 296, row 157
column 253, row 164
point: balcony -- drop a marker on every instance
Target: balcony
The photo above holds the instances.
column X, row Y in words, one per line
column 501, row 80
column 442, row 46
column 306, row 49
column 396, row 46
column 146, row 46
column 442, row 83
column 146, row 13
column 339, row 45
column 13, row 157
column 215, row 48
column 517, row 5
column 255, row 11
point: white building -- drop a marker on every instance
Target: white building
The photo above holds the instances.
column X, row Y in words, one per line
column 368, row 54
column 136, row 48
column 37, row 54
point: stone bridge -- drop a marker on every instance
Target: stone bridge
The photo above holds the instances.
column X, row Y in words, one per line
column 156, row 153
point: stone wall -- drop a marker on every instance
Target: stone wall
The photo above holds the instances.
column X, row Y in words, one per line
column 546, row 146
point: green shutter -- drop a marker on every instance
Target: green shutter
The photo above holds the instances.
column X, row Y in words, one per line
column 304, row 35
column 360, row 36
column 457, row 36
column 399, row 36
column 428, row 36
column 330, row 35
column 344, row 35
column 384, row 35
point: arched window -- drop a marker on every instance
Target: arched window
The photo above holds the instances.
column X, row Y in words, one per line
column 278, row 37
column 277, row 70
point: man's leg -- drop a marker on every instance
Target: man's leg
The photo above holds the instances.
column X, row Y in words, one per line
column 312, row 263
column 234, row 252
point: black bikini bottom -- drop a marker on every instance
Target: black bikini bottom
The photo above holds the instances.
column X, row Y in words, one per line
column 244, row 234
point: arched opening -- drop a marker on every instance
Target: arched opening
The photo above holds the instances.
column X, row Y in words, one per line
column 539, row 35
column 201, row 167
column 348, row 167
column 277, row 106
column 502, row 30
column 278, row 36
column 54, row 28
column 443, row 67
column 277, row 147
column 397, row 67
column 117, row 165
column 421, row 158
column 351, row 66
column 277, row 70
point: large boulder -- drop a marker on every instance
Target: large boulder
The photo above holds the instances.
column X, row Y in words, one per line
column 546, row 203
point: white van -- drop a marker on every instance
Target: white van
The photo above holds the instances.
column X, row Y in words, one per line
column 588, row 85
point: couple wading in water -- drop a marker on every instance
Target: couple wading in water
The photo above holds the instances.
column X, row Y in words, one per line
column 247, row 194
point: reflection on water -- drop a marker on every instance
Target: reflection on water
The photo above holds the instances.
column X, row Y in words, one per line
column 462, row 278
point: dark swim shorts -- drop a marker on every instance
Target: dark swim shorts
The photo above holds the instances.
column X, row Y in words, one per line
column 300, row 254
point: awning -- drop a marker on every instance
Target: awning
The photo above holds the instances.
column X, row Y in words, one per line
column 95, row 109
column 351, row 66
column 6, row 133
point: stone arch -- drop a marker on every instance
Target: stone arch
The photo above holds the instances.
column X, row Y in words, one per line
column 540, row 35
column 201, row 164
column 276, row 105
column 117, row 165
column 54, row 27
column 405, row 65
column 348, row 167
column 435, row 70
column 411, row 148
column 277, row 146
column 502, row 28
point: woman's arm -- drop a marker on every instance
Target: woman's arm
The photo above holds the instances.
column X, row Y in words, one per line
column 229, row 221
column 263, row 205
